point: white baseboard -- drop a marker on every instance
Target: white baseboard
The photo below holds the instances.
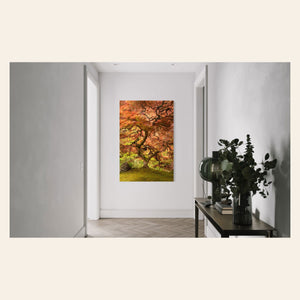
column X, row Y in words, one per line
column 93, row 219
column 143, row 213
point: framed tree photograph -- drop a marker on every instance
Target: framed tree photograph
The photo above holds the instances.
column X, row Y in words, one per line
column 147, row 140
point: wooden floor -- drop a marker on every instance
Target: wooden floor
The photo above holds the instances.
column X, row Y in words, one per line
column 144, row 227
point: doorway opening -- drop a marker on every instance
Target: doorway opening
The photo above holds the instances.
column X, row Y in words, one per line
column 137, row 209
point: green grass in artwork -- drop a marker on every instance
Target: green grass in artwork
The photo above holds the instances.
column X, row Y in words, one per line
column 146, row 174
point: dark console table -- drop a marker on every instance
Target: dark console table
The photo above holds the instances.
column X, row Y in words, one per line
column 224, row 224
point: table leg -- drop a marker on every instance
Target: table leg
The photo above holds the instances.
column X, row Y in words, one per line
column 224, row 236
column 196, row 220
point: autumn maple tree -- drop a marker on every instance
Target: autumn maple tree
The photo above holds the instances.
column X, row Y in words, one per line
column 146, row 133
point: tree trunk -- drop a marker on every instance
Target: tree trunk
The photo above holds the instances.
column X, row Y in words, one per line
column 145, row 166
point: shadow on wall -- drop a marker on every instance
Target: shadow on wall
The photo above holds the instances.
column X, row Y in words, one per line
column 282, row 189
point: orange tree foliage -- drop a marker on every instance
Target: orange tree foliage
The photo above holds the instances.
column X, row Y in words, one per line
column 146, row 132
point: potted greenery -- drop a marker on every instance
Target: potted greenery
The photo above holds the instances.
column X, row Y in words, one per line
column 240, row 177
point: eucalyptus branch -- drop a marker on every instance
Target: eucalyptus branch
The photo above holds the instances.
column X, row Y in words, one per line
column 239, row 172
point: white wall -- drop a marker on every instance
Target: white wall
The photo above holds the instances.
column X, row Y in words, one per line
column 146, row 199
column 254, row 98
column 46, row 149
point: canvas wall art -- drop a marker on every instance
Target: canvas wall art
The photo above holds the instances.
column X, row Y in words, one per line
column 147, row 140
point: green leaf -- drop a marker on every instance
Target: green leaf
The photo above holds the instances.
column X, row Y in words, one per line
column 223, row 141
column 267, row 156
column 226, row 165
column 272, row 164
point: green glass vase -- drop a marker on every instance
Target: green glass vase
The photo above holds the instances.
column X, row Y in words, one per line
column 242, row 209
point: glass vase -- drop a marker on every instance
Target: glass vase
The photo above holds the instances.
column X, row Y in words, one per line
column 242, row 209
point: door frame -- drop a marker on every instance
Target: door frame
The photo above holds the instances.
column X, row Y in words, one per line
column 88, row 74
column 201, row 86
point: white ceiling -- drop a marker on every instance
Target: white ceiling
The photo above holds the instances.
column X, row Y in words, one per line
column 150, row 67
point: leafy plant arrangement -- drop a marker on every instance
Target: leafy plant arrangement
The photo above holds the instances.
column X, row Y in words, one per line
column 239, row 172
